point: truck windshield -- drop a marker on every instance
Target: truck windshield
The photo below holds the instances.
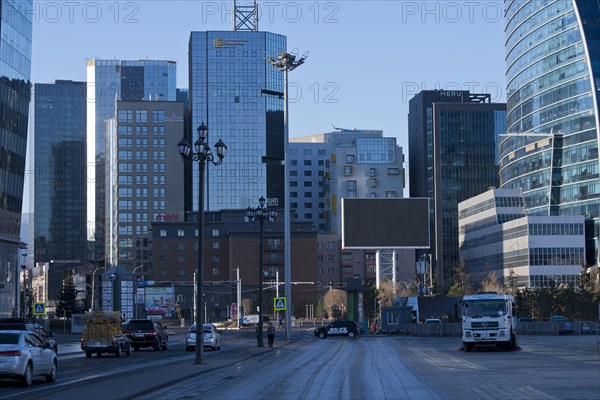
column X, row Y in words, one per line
column 484, row 308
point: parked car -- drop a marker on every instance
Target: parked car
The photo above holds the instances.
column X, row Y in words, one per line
column 102, row 334
column 25, row 356
column 22, row 324
column 432, row 321
column 338, row 328
column 211, row 337
column 147, row 333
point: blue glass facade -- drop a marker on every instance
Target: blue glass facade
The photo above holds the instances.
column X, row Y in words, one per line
column 453, row 137
column 15, row 93
column 239, row 96
column 552, row 64
column 109, row 81
column 59, row 122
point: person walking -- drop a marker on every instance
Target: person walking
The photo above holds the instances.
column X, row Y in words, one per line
column 271, row 334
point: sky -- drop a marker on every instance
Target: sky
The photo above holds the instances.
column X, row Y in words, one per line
column 366, row 58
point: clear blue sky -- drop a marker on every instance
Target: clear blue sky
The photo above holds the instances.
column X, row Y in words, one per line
column 367, row 58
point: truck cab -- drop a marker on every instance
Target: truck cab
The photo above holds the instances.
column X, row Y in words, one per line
column 488, row 319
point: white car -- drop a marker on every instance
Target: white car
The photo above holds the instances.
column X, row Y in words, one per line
column 24, row 356
column 211, row 337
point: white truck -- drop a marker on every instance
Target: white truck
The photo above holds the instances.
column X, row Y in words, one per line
column 488, row 319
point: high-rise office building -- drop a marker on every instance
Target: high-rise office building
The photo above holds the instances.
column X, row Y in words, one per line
column 144, row 178
column 552, row 71
column 15, row 93
column 346, row 163
column 452, row 157
column 109, row 81
column 58, row 222
column 239, row 96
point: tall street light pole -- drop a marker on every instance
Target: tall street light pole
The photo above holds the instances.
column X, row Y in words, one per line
column 94, row 288
column 202, row 155
column 287, row 62
column 135, row 304
column 260, row 214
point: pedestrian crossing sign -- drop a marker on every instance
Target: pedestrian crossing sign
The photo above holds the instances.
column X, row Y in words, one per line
column 39, row 308
column 279, row 303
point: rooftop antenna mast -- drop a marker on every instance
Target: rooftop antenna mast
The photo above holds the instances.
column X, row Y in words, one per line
column 245, row 18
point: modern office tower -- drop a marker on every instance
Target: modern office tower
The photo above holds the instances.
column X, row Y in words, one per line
column 346, row 163
column 351, row 163
column 309, row 163
column 58, row 222
column 452, row 157
column 144, row 178
column 239, row 96
column 15, row 93
column 552, row 67
column 530, row 251
column 109, row 81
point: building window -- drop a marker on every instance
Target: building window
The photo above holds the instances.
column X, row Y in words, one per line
column 347, row 170
column 180, row 232
column 215, row 271
column 215, row 232
column 393, row 171
column 373, row 182
column 351, row 185
column 372, row 171
column 215, row 245
column 180, row 271
column 181, row 246
column 350, row 158
column 163, row 233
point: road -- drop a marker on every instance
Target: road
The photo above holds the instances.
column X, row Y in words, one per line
column 376, row 367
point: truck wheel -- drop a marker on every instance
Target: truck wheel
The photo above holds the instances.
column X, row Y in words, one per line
column 468, row 346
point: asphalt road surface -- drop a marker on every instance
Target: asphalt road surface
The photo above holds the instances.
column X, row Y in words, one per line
column 367, row 367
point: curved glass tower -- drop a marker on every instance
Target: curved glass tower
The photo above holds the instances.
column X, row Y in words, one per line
column 552, row 70
column 15, row 93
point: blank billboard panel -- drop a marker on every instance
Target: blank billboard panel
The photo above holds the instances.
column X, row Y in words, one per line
column 385, row 223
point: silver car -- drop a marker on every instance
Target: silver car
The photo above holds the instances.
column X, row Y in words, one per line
column 211, row 337
column 24, row 356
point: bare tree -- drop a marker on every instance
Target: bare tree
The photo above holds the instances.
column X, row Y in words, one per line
column 491, row 283
column 335, row 301
column 460, row 285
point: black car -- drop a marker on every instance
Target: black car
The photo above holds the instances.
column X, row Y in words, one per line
column 338, row 328
column 146, row 333
column 22, row 324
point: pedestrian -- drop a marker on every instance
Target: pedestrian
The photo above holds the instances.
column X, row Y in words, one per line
column 271, row 334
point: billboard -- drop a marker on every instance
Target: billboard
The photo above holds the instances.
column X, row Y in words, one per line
column 391, row 223
column 160, row 300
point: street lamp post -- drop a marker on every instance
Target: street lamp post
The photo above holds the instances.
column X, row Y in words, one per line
column 94, row 289
column 202, row 155
column 287, row 62
column 260, row 214
column 135, row 304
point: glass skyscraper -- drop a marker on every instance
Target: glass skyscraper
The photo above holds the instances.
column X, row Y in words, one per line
column 109, row 81
column 452, row 157
column 552, row 70
column 15, row 93
column 59, row 149
column 239, row 96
